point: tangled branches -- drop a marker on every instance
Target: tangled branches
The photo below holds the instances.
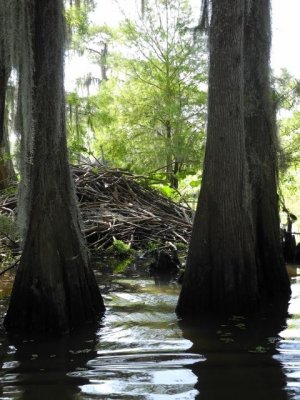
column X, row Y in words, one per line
column 119, row 205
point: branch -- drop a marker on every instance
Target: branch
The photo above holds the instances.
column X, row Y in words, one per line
column 10, row 267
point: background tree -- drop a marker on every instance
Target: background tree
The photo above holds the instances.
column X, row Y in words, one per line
column 262, row 149
column 55, row 289
column 286, row 95
column 152, row 109
column 167, row 71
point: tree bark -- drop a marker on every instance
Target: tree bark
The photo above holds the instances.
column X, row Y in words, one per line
column 262, row 146
column 103, row 64
column 174, row 182
column 55, row 289
column 221, row 271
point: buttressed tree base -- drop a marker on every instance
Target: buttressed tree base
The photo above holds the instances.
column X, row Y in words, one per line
column 234, row 261
column 55, row 289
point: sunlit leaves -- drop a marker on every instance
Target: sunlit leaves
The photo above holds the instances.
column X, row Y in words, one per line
column 287, row 97
column 151, row 112
column 161, row 105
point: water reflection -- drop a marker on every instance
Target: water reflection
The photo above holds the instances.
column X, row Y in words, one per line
column 289, row 346
column 142, row 352
column 240, row 357
column 39, row 369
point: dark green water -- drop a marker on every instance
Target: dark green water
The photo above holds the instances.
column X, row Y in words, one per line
column 141, row 351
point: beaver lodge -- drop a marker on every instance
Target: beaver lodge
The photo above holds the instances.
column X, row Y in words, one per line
column 117, row 205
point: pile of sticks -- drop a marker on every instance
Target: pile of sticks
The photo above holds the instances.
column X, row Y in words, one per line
column 119, row 205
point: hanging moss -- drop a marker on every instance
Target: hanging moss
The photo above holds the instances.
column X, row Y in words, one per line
column 16, row 38
column 55, row 289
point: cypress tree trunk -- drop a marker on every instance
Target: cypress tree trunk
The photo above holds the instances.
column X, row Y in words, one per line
column 55, row 289
column 221, row 271
column 262, row 145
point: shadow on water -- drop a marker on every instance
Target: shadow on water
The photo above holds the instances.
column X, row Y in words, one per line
column 240, row 357
column 46, row 369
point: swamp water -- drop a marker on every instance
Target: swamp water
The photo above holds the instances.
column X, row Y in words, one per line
column 141, row 351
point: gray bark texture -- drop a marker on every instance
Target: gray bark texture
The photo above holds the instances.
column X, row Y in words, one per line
column 55, row 289
column 262, row 148
column 234, row 261
column 221, row 272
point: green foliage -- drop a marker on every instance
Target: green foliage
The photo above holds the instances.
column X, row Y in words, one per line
column 287, row 91
column 161, row 106
column 9, row 234
column 77, row 19
column 181, row 247
column 167, row 191
column 120, row 248
column 6, row 260
column 290, row 140
column 151, row 113
column 78, row 23
column 123, row 256
column 87, row 117
column 151, row 246
column 122, row 265
column 196, row 183
column 11, row 190
column 8, row 227
column 189, row 187
column 286, row 96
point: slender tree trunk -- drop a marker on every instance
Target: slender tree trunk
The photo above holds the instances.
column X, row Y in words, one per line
column 169, row 167
column 221, row 271
column 174, row 179
column 172, row 165
column 77, row 133
column 55, row 289
column 262, row 146
column 104, row 53
column 143, row 4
